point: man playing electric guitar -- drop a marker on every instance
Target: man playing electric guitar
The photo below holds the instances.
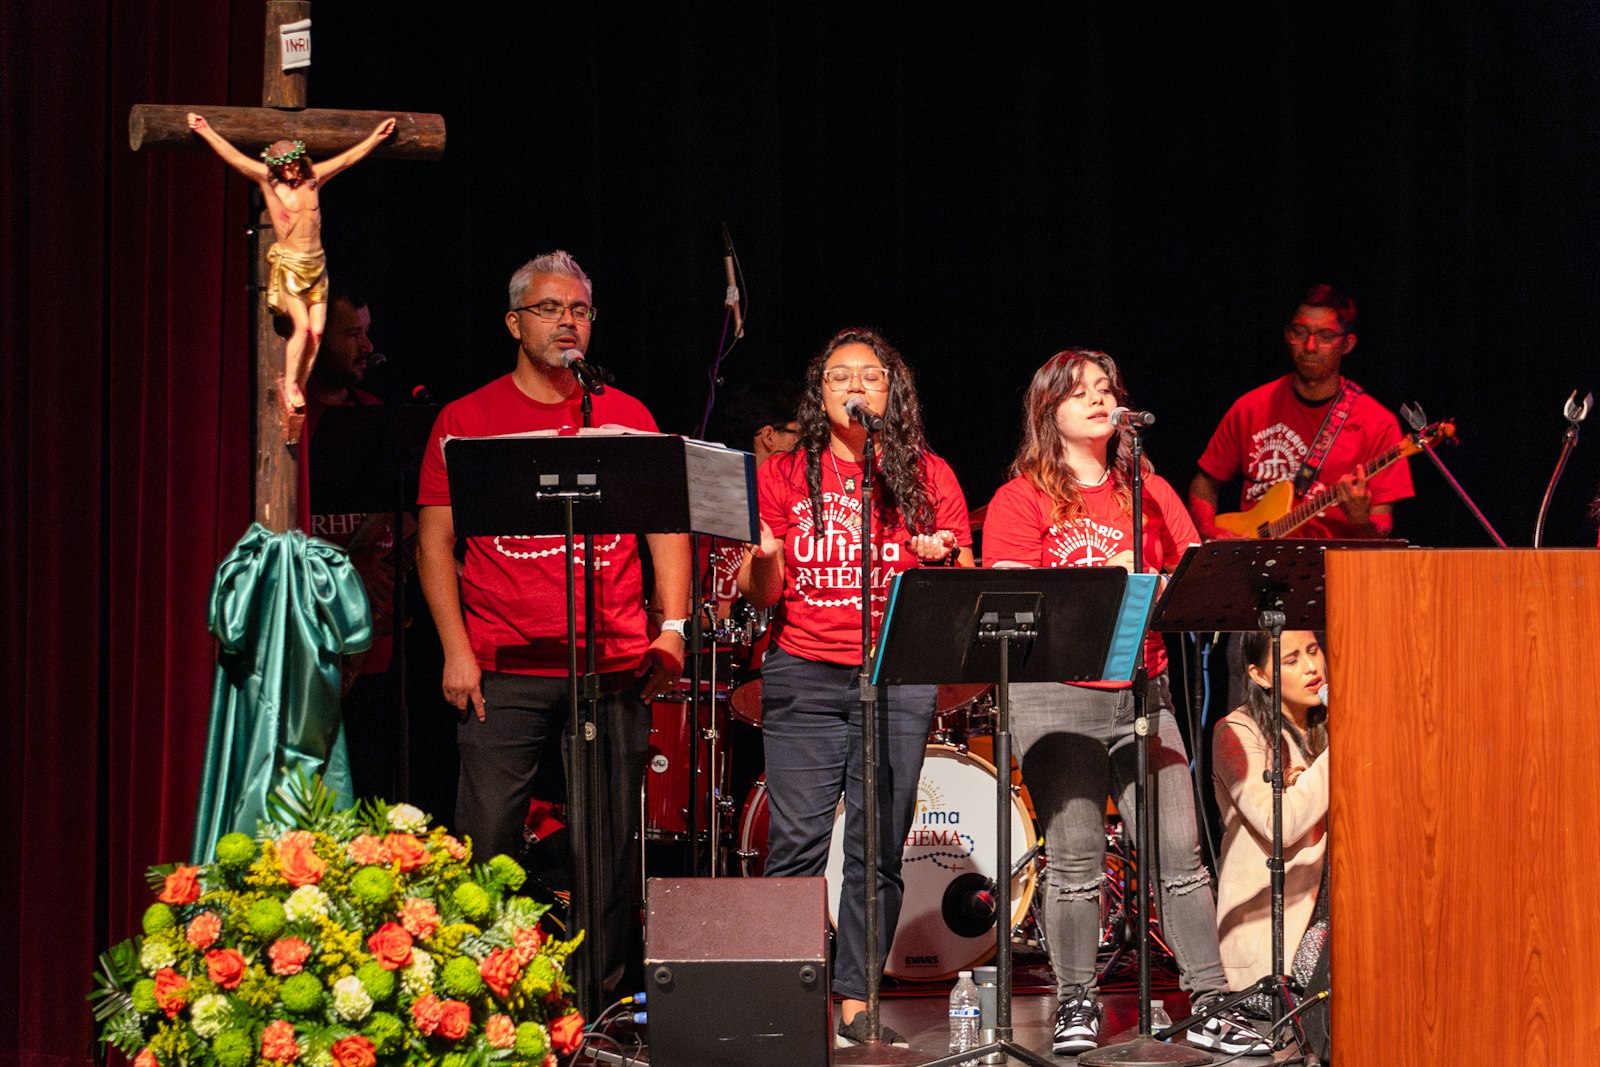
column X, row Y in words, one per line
column 1312, row 428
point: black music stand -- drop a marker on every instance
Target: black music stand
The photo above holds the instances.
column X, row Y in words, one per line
column 1270, row 585
column 1028, row 625
column 365, row 458
column 595, row 482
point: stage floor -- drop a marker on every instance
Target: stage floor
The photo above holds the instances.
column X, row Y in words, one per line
column 923, row 1020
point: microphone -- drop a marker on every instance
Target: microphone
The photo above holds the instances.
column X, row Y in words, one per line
column 856, row 408
column 592, row 378
column 731, row 299
column 1322, row 694
column 1135, row 419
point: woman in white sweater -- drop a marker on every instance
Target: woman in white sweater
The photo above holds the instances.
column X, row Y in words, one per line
column 1240, row 759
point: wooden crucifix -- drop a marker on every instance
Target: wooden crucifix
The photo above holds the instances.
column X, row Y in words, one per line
column 321, row 134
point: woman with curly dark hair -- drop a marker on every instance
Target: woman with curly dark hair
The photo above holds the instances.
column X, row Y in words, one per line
column 1070, row 504
column 809, row 561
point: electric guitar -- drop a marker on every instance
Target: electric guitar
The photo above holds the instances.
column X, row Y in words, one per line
column 1276, row 514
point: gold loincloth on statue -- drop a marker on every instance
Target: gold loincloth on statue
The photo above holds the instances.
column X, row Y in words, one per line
column 300, row 274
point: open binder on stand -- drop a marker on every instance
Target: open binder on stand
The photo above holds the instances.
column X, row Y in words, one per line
column 1074, row 624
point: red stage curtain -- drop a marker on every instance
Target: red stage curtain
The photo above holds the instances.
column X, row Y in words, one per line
column 125, row 474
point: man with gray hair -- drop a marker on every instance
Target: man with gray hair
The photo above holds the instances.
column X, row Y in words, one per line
column 502, row 619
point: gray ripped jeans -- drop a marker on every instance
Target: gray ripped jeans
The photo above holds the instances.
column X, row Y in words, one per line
column 1076, row 746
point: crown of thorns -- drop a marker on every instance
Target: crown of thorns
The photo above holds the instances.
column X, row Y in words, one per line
column 290, row 156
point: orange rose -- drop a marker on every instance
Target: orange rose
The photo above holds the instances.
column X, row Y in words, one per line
column 391, row 944
column 278, row 1043
column 354, row 1051
column 500, row 1031
column 427, row 1012
column 454, row 1019
column 183, row 886
column 408, row 852
column 300, row 866
column 146, row 1058
column 288, row 955
column 170, row 989
column 500, row 971
column 419, row 917
column 226, row 967
column 204, row 930
column 566, row 1032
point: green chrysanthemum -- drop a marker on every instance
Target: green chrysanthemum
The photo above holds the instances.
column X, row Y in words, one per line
column 541, row 977
column 372, row 886
column 460, row 977
column 236, row 850
column 384, row 1031
column 531, row 1040
column 233, row 1048
column 473, row 900
column 266, row 918
column 378, row 982
column 158, row 918
column 508, row 872
column 144, row 997
column 301, row 993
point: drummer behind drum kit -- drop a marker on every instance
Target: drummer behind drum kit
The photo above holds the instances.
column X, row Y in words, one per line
column 947, row 918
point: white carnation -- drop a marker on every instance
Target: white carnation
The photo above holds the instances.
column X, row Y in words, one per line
column 156, row 954
column 418, row 978
column 307, row 902
column 351, row 1002
column 408, row 819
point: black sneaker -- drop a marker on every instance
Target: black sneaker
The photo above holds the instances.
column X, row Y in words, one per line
column 1077, row 1024
column 855, row 1033
column 1233, row 1032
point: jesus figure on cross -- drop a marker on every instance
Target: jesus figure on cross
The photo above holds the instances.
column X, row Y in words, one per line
column 298, row 285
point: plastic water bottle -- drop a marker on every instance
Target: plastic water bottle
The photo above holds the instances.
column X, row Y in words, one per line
column 964, row 1014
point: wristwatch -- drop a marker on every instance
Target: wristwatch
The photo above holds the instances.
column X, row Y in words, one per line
column 677, row 626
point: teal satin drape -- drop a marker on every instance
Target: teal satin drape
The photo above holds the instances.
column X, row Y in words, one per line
column 284, row 608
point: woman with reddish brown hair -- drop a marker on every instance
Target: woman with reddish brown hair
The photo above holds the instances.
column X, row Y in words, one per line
column 1069, row 503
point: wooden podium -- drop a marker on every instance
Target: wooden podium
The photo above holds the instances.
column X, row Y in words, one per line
column 1465, row 806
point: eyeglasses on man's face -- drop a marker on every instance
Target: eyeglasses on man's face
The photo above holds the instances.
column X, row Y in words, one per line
column 1301, row 334
column 552, row 310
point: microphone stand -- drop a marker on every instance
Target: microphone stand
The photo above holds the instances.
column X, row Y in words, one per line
column 1415, row 418
column 1143, row 1048
column 582, row 737
column 1575, row 413
column 874, row 1051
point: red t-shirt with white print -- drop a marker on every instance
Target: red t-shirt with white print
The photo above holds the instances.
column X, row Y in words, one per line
column 1267, row 433
column 1018, row 528
column 821, row 618
column 514, row 589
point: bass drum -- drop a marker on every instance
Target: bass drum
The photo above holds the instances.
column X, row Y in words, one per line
column 948, row 866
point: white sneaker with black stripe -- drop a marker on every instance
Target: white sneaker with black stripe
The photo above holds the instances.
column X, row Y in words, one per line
column 1232, row 1032
column 1077, row 1023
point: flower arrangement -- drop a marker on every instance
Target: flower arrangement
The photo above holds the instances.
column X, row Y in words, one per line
column 339, row 939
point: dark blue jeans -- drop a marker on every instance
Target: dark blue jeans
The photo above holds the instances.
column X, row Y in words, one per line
column 811, row 730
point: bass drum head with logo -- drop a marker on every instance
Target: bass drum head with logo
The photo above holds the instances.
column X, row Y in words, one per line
column 949, row 859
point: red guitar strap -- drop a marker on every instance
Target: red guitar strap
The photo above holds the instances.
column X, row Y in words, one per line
column 1332, row 423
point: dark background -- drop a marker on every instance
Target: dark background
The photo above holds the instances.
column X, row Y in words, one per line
column 987, row 184
column 988, row 187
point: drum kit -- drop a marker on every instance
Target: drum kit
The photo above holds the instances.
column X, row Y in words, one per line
column 947, row 917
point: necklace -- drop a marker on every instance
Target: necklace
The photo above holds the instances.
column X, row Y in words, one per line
column 1097, row 482
column 848, row 483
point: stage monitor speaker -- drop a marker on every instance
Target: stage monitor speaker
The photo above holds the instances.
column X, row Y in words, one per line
column 736, row 972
